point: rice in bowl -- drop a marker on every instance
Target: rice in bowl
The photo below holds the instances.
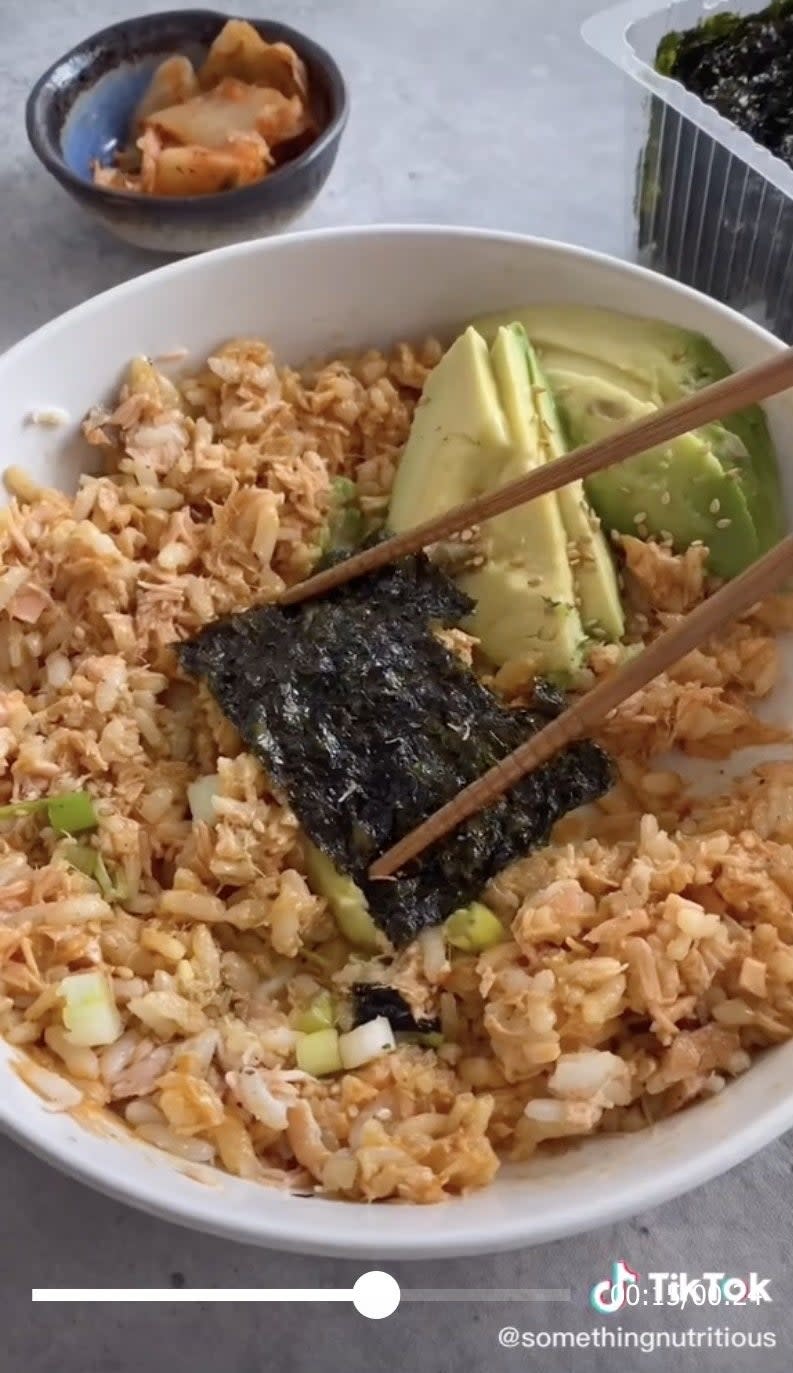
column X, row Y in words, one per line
column 648, row 950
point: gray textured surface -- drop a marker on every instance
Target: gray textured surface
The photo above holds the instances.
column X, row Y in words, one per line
column 462, row 112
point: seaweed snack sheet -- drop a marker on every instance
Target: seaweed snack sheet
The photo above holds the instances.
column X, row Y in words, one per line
column 743, row 66
column 369, row 724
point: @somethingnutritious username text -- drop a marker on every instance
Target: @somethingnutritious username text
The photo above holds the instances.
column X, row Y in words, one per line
column 646, row 1341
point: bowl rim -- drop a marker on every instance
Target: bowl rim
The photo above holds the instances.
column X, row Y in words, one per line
column 240, row 196
column 396, row 1236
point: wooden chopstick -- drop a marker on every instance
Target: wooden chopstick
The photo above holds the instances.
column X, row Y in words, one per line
column 713, row 402
column 729, row 602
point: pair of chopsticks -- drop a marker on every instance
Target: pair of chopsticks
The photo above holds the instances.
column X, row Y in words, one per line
column 703, row 407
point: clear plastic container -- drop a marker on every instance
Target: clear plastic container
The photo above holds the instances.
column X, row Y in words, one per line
column 708, row 204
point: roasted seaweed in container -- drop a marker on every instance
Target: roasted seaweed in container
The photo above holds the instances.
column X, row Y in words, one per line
column 704, row 216
column 743, row 66
column 369, row 724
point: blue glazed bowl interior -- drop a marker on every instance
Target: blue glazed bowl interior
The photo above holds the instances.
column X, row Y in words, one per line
column 97, row 124
column 80, row 110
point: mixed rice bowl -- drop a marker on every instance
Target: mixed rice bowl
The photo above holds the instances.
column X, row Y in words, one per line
column 648, row 949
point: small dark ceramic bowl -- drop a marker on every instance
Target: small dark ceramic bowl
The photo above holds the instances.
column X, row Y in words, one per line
column 80, row 110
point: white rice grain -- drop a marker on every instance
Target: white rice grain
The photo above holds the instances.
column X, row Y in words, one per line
column 193, row 1150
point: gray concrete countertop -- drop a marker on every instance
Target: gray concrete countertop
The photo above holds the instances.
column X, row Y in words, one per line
column 462, row 112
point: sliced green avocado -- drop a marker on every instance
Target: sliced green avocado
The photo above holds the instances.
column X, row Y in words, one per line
column 680, row 490
column 743, row 441
column 524, row 593
column 646, row 356
column 658, row 362
column 346, row 900
column 661, row 360
column 594, row 575
column 458, row 438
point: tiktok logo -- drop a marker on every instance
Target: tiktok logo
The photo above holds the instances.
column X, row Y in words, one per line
column 614, row 1292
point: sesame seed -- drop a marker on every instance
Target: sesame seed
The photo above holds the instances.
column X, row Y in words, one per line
column 714, row 507
column 723, row 524
column 640, row 518
column 666, row 498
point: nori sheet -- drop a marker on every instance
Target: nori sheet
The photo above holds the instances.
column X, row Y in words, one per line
column 371, row 999
column 369, row 724
column 743, row 66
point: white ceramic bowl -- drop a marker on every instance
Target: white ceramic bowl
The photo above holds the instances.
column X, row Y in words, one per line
column 312, row 293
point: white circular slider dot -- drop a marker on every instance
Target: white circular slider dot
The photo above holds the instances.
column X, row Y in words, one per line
column 376, row 1295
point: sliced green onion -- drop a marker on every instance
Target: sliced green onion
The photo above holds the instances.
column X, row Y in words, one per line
column 366, row 1043
column 318, row 1053
column 347, row 529
column 72, row 812
column 474, row 928
column 15, row 808
column 320, row 1015
column 343, row 490
column 109, row 880
column 321, row 959
column 90, row 1013
column 82, row 857
column 345, row 526
column 428, row 1039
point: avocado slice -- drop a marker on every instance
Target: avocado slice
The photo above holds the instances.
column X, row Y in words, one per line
column 658, row 362
column 458, row 439
column 595, row 575
column 649, row 357
column 680, row 490
column 743, row 441
column 345, row 898
column 524, row 592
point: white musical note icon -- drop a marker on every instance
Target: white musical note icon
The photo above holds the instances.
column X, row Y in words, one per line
column 611, row 1294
